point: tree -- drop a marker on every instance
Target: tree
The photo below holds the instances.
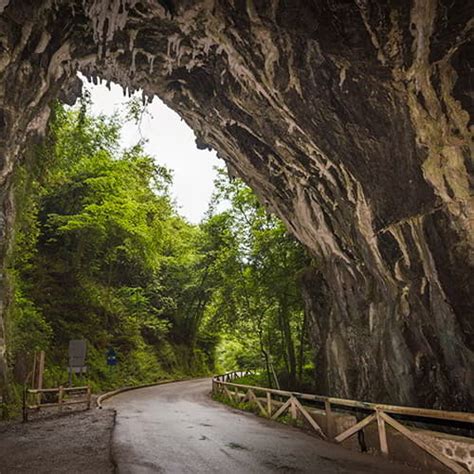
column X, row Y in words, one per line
column 258, row 266
column 101, row 253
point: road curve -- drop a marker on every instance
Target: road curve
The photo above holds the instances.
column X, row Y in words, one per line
column 178, row 428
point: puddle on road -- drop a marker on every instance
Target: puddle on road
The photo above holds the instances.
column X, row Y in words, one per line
column 236, row 446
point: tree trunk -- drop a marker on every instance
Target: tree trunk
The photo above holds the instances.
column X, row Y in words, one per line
column 301, row 350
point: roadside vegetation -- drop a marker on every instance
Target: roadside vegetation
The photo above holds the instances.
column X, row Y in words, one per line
column 100, row 253
column 286, row 418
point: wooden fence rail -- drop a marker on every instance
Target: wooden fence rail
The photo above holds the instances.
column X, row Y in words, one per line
column 33, row 398
column 377, row 413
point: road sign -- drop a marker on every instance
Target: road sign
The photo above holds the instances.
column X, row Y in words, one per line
column 111, row 357
column 77, row 353
column 77, row 357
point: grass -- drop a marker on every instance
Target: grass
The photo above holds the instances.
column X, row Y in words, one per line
column 258, row 379
column 244, row 406
column 286, row 418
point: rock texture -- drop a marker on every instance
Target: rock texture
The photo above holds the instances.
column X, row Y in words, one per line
column 351, row 121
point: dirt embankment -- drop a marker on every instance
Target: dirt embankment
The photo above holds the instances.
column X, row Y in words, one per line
column 72, row 443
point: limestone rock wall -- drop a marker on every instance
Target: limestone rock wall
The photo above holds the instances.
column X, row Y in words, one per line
column 351, row 121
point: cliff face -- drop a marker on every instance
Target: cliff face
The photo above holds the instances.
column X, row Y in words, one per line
column 349, row 118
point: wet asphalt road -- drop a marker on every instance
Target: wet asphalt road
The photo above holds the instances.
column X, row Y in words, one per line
column 178, row 428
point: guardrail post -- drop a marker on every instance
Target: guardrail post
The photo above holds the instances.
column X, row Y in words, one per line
column 40, row 371
column 293, row 411
column 61, row 397
column 269, row 404
column 25, row 404
column 89, row 397
column 382, row 434
column 330, row 428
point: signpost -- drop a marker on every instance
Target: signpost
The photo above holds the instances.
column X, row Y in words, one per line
column 77, row 358
column 38, row 370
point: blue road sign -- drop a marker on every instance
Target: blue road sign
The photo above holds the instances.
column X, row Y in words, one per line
column 111, row 357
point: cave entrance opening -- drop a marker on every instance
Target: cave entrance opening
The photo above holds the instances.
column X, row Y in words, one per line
column 167, row 138
column 373, row 183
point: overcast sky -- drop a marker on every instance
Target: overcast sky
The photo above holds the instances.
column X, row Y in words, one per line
column 171, row 142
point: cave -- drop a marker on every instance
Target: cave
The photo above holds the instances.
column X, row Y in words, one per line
column 350, row 119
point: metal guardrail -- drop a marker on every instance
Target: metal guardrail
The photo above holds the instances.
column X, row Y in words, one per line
column 380, row 413
column 81, row 395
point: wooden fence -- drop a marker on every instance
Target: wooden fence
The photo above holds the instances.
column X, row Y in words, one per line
column 375, row 413
column 33, row 399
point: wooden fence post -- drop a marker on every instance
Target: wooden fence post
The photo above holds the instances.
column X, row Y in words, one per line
column 40, row 370
column 33, row 375
column 330, row 429
column 382, row 434
column 61, row 397
column 269, row 404
column 25, row 404
column 89, row 397
column 39, row 385
column 293, row 411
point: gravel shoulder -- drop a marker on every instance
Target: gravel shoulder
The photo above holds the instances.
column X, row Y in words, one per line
column 60, row 443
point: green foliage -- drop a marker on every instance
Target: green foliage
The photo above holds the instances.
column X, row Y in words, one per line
column 100, row 253
column 244, row 406
column 256, row 379
column 257, row 302
column 286, row 418
column 237, row 354
column 31, row 331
